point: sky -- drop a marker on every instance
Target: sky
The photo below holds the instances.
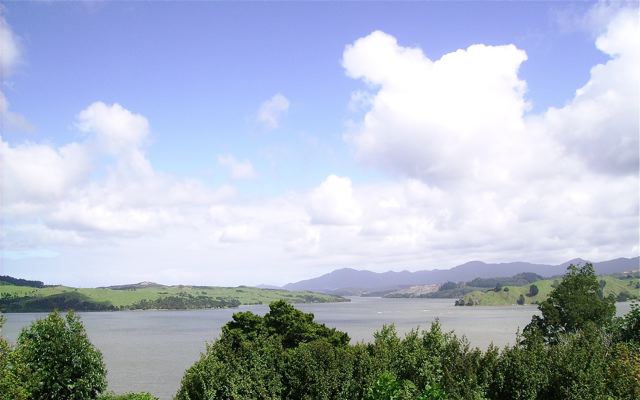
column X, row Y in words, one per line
column 255, row 143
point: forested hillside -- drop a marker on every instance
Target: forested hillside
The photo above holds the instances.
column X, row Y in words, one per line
column 145, row 296
column 622, row 287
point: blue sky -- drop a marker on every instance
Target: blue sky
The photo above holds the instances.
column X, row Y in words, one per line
column 219, row 61
column 199, row 74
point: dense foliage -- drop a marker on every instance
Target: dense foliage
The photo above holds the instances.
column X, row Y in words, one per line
column 576, row 302
column 184, row 301
column 9, row 280
column 61, row 301
column 53, row 359
column 128, row 396
column 520, row 279
column 623, row 287
column 568, row 353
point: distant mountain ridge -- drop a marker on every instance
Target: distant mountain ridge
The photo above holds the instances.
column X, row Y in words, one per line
column 352, row 281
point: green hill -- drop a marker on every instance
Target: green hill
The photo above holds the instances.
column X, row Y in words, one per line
column 15, row 298
column 622, row 287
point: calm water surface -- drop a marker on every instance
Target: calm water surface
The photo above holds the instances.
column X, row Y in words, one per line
column 150, row 350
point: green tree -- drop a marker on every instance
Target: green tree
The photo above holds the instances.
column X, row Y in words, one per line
column 11, row 387
column 602, row 283
column 295, row 327
column 533, row 290
column 627, row 328
column 520, row 300
column 448, row 286
column 578, row 365
column 57, row 360
column 128, row 396
column 521, row 372
column 573, row 304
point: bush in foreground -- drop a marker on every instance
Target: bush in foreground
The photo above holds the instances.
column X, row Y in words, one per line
column 128, row 396
column 53, row 359
column 575, row 350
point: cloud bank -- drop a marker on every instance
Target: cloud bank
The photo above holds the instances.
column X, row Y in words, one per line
column 475, row 176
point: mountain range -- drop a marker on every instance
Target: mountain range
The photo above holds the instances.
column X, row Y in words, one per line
column 349, row 281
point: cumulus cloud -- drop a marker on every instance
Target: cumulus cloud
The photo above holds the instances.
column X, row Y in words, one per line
column 13, row 121
column 271, row 112
column 39, row 172
column 118, row 132
column 239, row 233
column 438, row 120
column 479, row 178
column 116, row 128
column 486, row 176
column 10, row 57
column 238, row 169
column 462, row 117
column 51, row 184
column 9, row 48
column 600, row 125
column 332, row 203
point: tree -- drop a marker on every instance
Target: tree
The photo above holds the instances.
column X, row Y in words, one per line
column 58, row 361
column 128, row 396
column 295, row 327
column 627, row 327
column 533, row 290
column 602, row 283
column 520, row 300
column 573, row 304
column 448, row 286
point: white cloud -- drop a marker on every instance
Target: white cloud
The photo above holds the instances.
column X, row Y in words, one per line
column 462, row 117
column 600, row 125
column 51, row 185
column 237, row 169
column 41, row 173
column 13, row 121
column 10, row 57
column 271, row 112
column 332, row 203
column 239, row 233
column 489, row 179
column 118, row 132
column 360, row 100
column 438, row 120
column 116, row 128
column 9, row 48
column 479, row 179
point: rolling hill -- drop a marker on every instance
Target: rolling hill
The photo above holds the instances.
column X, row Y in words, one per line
column 625, row 288
column 144, row 295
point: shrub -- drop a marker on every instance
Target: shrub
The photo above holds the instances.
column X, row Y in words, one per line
column 573, row 304
column 54, row 359
column 286, row 355
column 128, row 396
column 10, row 386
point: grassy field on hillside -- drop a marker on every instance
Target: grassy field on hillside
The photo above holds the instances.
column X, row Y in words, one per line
column 509, row 295
column 126, row 298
